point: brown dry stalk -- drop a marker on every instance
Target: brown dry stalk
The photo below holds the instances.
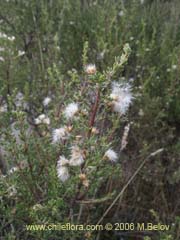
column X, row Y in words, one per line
column 91, row 124
column 128, row 182
column 94, row 111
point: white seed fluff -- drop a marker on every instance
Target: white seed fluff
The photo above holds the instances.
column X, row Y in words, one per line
column 62, row 169
column 71, row 110
column 90, row 69
column 42, row 119
column 124, row 141
column 21, row 53
column 59, row 134
column 77, row 157
column 42, row 116
column 46, row 101
column 62, row 161
column 46, row 121
column 1, row 59
column 111, row 155
column 174, row 67
column 37, row 121
column 121, row 13
column 121, row 96
column 13, row 169
column 63, row 173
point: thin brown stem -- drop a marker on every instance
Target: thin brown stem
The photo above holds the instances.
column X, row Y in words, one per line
column 127, row 184
column 94, row 111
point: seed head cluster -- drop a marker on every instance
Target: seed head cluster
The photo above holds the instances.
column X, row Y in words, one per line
column 111, row 155
column 42, row 119
column 77, row 156
column 121, row 97
column 90, row 69
column 70, row 110
column 76, row 159
column 46, row 101
column 60, row 134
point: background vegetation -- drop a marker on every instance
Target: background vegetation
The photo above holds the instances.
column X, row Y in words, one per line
column 41, row 54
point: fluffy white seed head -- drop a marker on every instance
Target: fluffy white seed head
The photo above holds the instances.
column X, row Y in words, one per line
column 1, row 59
column 62, row 161
column 60, row 134
column 121, row 13
column 42, row 119
column 111, row 155
column 77, row 156
column 13, row 169
column 12, row 191
column 21, row 53
column 121, row 97
column 62, row 169
column 63, row 173
column 3, row 35
column 124, row 141
column 46, row 120
column 12, row 38
column 37, row 121
column 90, row 69
column 174, row 67
column 46, row 101
column 42, row 116
column 71, row 110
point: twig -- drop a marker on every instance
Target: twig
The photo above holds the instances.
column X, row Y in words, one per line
column 93, row 201
column 127, row 184
column 91, row 123
column 94, row 111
